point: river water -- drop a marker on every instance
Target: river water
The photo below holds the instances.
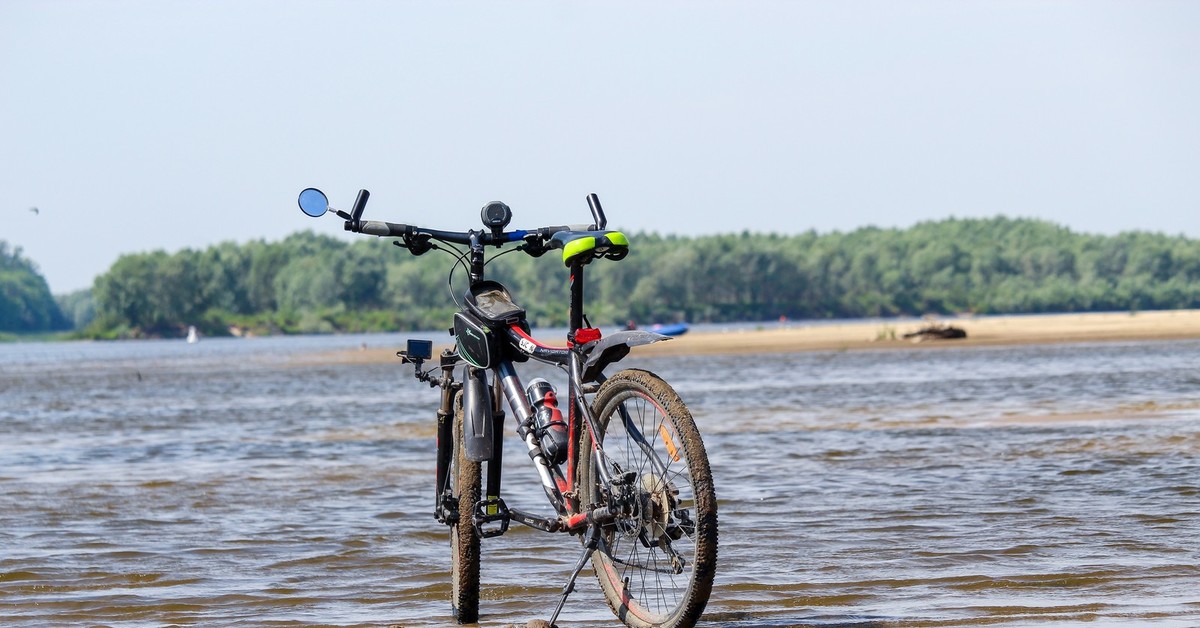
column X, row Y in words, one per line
column 235, row 482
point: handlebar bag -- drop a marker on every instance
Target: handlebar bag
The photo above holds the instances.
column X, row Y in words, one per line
column 477, row 344
column 491, row 302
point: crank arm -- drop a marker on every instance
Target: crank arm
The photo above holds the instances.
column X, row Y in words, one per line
column 541, row 523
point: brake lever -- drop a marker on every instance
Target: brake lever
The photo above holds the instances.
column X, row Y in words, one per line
column 417, row 244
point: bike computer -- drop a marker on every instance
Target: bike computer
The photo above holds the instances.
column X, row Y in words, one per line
column 496, row 215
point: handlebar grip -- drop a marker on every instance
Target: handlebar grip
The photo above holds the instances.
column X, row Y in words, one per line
column 360, row 204
column 597, row 211
column 381, row 228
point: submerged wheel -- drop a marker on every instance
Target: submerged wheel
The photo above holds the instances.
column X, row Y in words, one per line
column 656, row 562
column 464, row 539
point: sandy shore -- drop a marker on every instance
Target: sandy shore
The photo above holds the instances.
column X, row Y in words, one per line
column 877, row 335
column 998, row 330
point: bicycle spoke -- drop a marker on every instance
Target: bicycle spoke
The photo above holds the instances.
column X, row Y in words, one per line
column 650, row 570
column 656, row 563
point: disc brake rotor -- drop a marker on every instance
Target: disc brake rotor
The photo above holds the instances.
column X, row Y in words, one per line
column 658, row 503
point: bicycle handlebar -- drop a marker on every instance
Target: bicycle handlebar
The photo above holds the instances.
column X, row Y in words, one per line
column 399, row 230
column 314, row 203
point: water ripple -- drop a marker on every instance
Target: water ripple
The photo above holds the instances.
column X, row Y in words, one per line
column 140, row 484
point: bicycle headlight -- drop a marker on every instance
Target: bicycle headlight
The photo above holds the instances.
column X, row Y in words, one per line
column 496, row 215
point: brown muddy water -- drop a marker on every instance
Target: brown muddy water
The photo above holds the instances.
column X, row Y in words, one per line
column 230, row 483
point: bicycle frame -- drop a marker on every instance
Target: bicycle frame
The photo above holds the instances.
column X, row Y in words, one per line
column 506, row 385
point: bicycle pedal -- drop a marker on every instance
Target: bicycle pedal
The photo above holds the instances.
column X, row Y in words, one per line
column 488, row 511
column 447, row 510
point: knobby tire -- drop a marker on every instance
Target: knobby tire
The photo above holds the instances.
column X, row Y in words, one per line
column 638, row 581
column 464, row 538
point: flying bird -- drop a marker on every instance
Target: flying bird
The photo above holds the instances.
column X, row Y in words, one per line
column 34, row 210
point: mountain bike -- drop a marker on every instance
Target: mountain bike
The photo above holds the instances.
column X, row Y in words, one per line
column 625, row 470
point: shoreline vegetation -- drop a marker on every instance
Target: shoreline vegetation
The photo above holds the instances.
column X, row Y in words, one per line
column 312, row 283
column 874, row 335
column 315, row 283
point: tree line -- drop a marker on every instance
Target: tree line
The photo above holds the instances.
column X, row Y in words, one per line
column 26, row 304
column 310, row 283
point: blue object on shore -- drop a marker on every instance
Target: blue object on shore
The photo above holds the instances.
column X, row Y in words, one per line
column 676, row 329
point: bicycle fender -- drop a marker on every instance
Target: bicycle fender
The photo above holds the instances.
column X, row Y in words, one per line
column 477, row 436
column 614, row 347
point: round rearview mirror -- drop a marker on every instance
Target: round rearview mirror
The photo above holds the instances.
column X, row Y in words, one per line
column 313, row 202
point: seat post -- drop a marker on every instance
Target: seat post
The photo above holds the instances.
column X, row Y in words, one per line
column 575, row 313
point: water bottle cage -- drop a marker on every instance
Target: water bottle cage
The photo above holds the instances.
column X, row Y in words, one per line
column 540, row 431
column 548, row 425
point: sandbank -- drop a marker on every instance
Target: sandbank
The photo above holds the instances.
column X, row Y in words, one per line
column 796, row 336
column 981, row 331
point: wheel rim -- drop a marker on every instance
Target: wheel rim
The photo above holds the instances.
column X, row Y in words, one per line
column 653, row 580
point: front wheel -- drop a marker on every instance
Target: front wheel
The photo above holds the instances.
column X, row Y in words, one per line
column 464, row 538
column 657, row 560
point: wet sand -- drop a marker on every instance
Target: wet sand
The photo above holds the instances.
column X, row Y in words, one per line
column 799, row 336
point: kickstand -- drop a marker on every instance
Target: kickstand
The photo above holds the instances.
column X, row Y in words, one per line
column 590, row 542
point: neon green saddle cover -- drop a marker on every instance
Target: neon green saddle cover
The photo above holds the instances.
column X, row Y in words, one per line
column 585, row 246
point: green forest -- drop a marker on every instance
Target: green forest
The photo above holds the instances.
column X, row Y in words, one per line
column 309, row 283
column 26, row 304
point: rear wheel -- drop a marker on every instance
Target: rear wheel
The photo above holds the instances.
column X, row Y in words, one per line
column 464, row 539
column 656, row 562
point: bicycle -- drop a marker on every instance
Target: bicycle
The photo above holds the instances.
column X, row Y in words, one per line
column 626, row 470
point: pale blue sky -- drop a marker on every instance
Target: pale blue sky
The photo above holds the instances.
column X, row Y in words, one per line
column 138, row 125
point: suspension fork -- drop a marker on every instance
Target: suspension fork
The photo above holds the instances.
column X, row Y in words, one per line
column 443, row 500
